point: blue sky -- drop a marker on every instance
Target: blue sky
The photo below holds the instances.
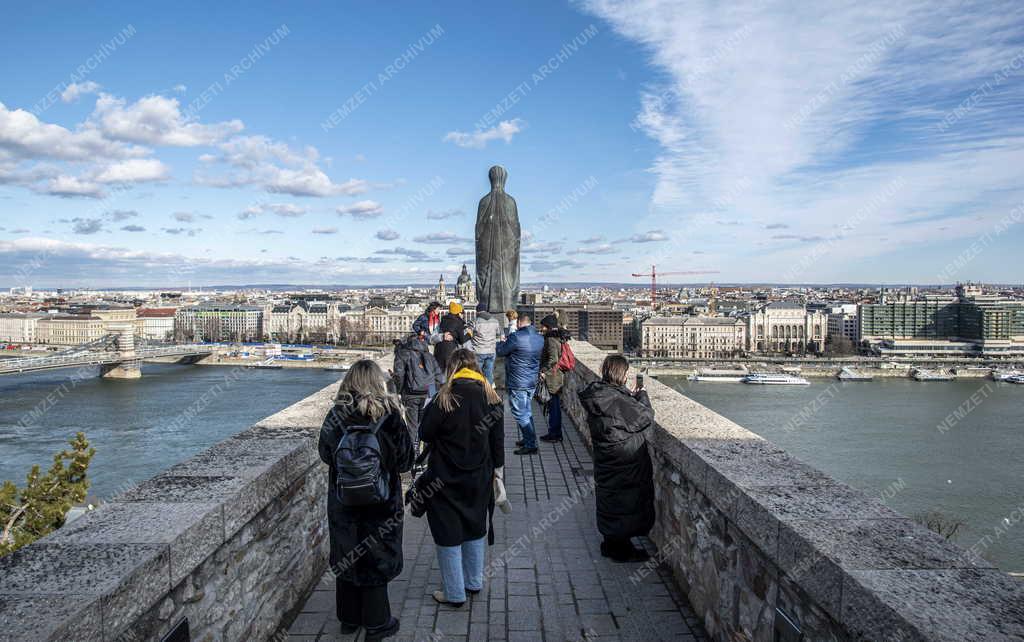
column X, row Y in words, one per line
column 349, row 142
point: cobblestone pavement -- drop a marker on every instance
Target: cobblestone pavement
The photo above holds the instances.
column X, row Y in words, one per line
column 546, row 579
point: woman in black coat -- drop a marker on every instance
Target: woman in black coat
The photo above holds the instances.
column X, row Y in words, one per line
column 623, row 473
column 463, row 428
column 366, row 540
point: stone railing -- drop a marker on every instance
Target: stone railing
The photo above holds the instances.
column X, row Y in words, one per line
column 765, row 545
column 227, row 543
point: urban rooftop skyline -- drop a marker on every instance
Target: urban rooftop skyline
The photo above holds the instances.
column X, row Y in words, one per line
column 874, row 143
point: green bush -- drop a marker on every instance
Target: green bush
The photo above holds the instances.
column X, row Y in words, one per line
column 39, row 508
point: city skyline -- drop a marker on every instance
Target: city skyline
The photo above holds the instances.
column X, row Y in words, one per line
column 867, row 143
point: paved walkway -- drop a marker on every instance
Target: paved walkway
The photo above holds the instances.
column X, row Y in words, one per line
column 548, row 580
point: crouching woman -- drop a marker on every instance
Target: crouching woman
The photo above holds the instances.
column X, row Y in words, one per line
column 365, row 442
column 618, row 419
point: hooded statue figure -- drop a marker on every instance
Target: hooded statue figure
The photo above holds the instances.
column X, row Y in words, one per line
column 497, row 247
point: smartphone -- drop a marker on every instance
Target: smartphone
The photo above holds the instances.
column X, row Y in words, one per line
column 639, row 380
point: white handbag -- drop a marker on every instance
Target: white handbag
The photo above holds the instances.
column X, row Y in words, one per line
column 500, row 496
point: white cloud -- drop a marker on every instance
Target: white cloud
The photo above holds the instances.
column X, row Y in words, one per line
column 387, row 235
column 444, row 214
column 70, row 187
column 504, row 130
column 76, row 90
column 325, row 230
column 652, row 236
column 277, row 168
column 156, row 120
column 442, row 238
column 26, row 137
column 136, row 170
column 801, row 115
column 362, row 209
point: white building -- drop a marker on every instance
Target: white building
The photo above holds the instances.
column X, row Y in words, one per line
column 844, row 324
column 218, row 322
column 785, row 327
column 19, row 328
column 155, row 324
column 692, row 337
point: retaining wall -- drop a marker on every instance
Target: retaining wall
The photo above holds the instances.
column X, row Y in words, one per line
column 756, row 537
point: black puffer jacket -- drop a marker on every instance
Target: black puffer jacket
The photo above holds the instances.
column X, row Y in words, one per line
column 622, row 466
column 366, row 541
column 415, row 369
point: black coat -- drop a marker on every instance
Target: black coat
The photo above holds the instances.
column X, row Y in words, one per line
column 366, row 541
column 622, row 466
column 456, row 326
column 466, row 445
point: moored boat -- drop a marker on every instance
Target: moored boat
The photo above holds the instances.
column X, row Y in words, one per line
column 771, row 379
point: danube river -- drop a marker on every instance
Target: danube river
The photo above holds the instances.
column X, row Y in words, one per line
column 893, row 440
column 134, row 425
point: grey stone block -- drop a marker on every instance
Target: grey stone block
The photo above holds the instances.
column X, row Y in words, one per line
column 949, row 604
column 192, row 531
column 128, row 578
column 817, row 554
column 27, row 618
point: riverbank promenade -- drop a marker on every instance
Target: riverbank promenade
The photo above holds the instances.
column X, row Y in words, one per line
column 546, row 579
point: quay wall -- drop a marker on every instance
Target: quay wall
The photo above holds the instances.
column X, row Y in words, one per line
column 763, row 544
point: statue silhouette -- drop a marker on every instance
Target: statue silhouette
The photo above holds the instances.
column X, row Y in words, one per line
column 497, row 247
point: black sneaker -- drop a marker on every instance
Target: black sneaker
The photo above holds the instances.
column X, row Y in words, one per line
column 525, row 451
column 519, row 443
column 551, row 439
column 389, row 629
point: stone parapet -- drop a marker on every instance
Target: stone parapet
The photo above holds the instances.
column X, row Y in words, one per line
column 230, row 542
column 755, row 537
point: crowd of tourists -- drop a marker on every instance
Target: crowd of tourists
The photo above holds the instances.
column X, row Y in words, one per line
column 438, row 414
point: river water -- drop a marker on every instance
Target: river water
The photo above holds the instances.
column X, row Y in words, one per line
column 893, row 439
column 881, row 437
column 135, row 426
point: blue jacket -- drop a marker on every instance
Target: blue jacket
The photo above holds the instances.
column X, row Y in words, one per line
column 522, row 351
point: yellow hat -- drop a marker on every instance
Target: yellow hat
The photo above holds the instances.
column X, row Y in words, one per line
column 455, row 307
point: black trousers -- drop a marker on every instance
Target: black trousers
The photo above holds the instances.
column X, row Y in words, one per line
column 362, row 605
column 414, row 412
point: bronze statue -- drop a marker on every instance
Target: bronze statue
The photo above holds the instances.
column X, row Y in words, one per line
column 497, row 247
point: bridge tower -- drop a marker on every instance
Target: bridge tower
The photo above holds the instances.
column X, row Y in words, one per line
column 128, row 368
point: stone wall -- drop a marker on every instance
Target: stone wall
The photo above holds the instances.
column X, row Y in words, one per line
column 756, row 537
column 231, row 540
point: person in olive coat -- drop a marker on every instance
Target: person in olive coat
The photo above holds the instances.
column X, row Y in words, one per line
column 624, row 476
column 366, row 541
column 463, row 427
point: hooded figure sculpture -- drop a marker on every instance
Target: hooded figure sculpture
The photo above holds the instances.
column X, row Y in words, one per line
column 497, row 247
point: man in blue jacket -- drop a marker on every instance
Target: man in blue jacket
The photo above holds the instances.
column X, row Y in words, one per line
column 522, row 351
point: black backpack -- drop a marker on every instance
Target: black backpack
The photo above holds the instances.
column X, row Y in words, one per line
column 361, row 479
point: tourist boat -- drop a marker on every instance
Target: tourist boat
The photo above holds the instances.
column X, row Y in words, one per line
column 1017, row 378
column 334, row 367
column 722, row 376
column 927, row 375
column 849, row 374
column 775, row 379
column 1005, row 375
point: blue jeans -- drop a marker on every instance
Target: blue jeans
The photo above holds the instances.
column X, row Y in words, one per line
column 555, row 416
column 462, row 568
column 486, row 362
column 521, row 402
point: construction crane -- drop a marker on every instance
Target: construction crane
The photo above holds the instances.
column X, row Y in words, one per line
column 654, row 280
